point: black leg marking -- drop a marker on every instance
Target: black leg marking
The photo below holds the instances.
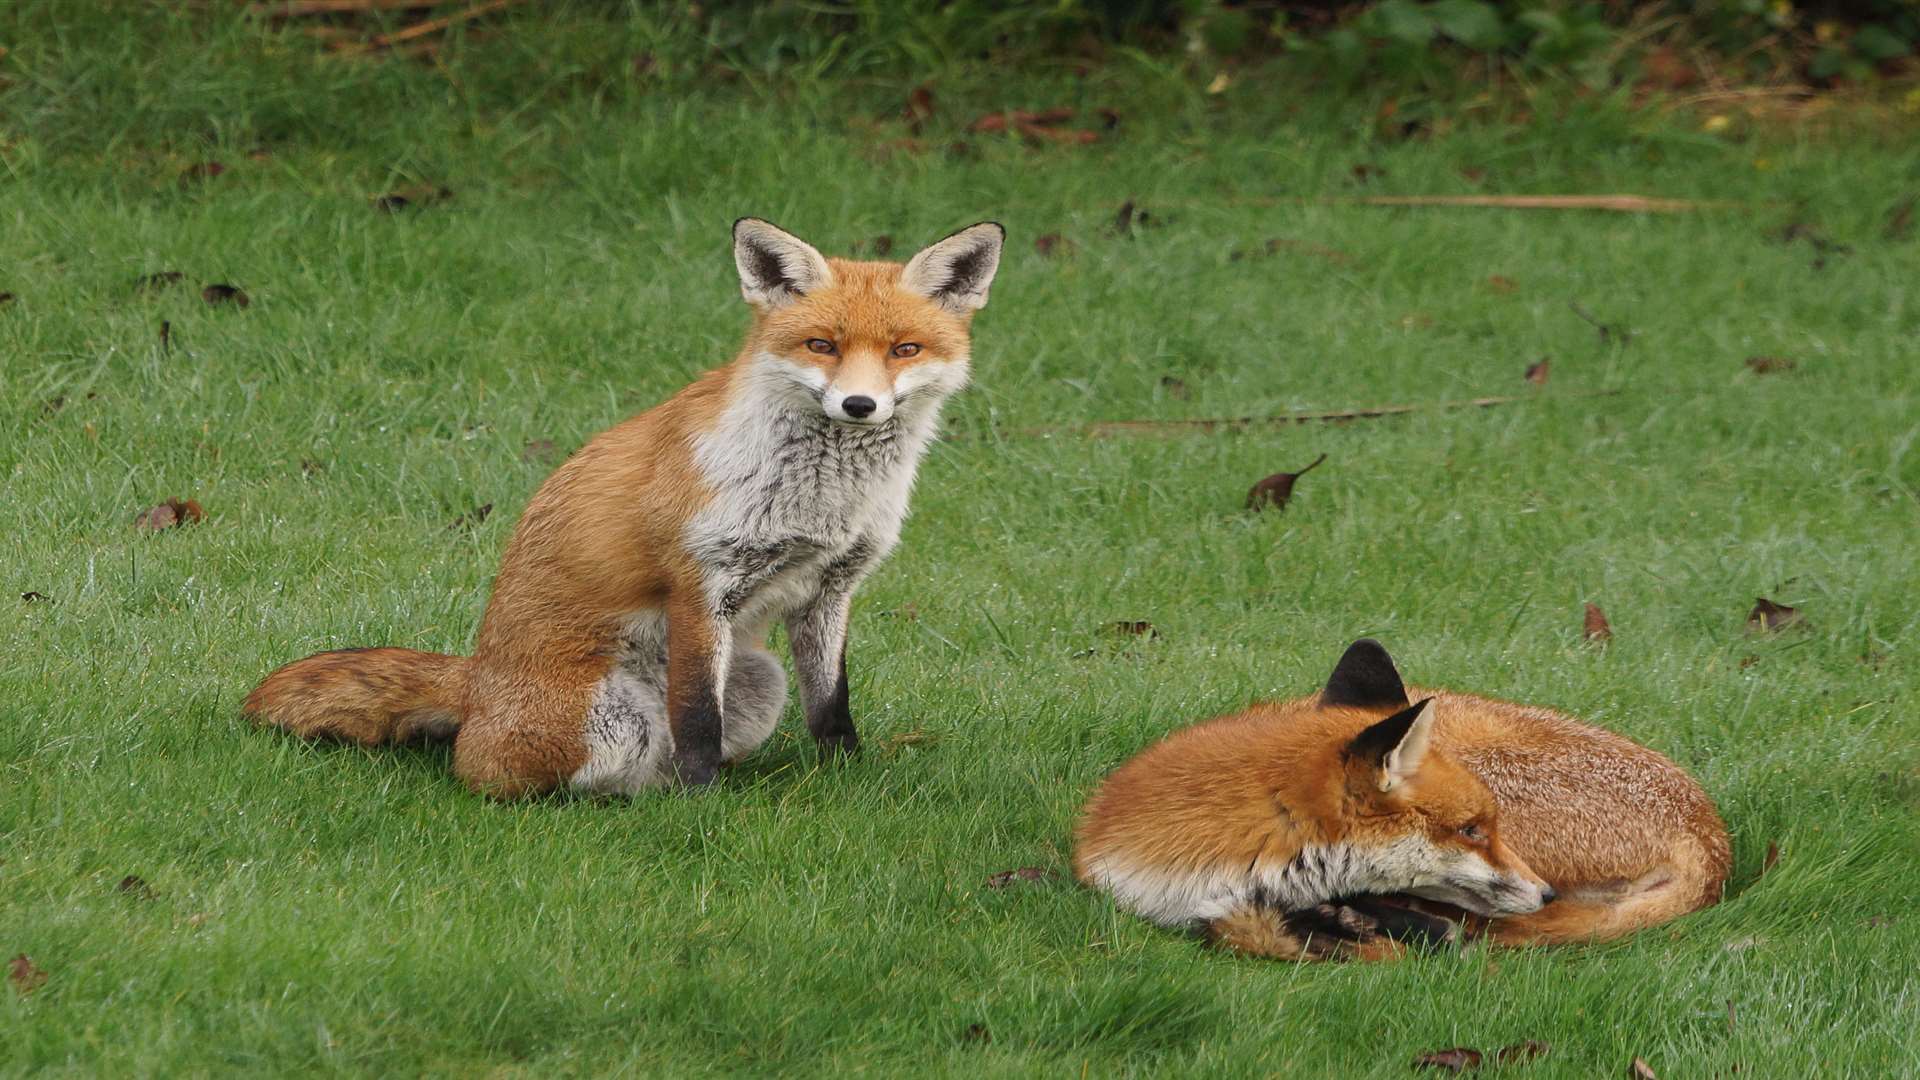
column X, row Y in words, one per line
column 831, row 721
column 694, row 715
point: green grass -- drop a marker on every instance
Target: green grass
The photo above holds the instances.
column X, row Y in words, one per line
column 320, row 909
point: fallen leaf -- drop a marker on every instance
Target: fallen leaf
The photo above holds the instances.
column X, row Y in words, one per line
column 1640, row 1070
column 1457, row 1059
column 1220, row 83
column 472, row 517
column 1769, row 365
column 36, row 597
column 976, row 1033
column 1502, row 284
column 205, row 170
column 1521, row 1052
column 1008, row 877
column 158, row 280
column 1538, row 371
column 1175, row 388
column 1001, row 121
column 168, row 514
column 224, row 294
column 24, row 975
column 1139, row 628
column 137, row 886
column 1771, row 858
column 1595, row 627
column 1052, row 244
column 416, row 195
column 1900, row 222
column 1277, row 489
column 539, row 450
column 1769, row 617
column 919, row 108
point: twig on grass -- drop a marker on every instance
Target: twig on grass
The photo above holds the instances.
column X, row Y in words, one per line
column 1109, row 428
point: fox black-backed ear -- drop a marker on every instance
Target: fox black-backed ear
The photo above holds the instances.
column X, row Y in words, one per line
column 776, row 267
column 1397, row 745
column 1365, row 678
column 956, row 272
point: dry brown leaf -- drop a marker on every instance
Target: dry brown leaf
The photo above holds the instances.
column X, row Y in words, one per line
column 1595, row 627
column 1769, row 617
column 158, row 280
column 1521, row 1052
column 919, row 108
column 1769, row 365
column 136, row 886
column 1008, row 877
column 1538, row 372
column 472, row 517
column 1001, row 121
column 1502, row 284
column 1277, row 489
column 1052, row 244
column 225, row 294
column 25, row 975
column 168, row 514
column 1640, row 1070
column 1771, row 859
column 1456, row 1059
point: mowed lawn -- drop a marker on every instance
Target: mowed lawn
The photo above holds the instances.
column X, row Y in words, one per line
column 199, row 897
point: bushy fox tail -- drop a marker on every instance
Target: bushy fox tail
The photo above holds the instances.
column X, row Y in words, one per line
column 367, row 696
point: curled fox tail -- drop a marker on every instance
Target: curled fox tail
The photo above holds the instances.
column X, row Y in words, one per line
column 367, row 696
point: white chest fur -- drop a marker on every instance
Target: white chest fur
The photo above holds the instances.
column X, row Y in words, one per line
column 798, row 498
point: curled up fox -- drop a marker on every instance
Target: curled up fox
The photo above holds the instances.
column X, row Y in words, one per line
column 1345, row 823
column 624, row 645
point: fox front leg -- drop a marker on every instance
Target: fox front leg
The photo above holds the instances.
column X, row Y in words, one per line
column 818, row 633
column 698, row 650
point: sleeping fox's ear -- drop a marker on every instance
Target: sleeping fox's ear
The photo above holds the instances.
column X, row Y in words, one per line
column 955, row 272
column 776, row 267
column 1365, row 678
column 1395, row 747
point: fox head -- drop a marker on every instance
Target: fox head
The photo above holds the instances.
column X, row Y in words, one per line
column 863, row 342
column 1428, row 825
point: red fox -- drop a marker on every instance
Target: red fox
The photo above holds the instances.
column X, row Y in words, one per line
column 625, row 642
column 1280, row 830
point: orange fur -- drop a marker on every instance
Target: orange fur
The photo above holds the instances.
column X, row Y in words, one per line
column 1624, row 836
column 604, row 538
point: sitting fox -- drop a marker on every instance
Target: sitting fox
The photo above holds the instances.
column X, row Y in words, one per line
column 1277, row 831
column 625, row 642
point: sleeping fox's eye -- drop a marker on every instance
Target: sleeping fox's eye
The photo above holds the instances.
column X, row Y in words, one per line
column 1473, row 834
column 906, row 349
column 821, row 346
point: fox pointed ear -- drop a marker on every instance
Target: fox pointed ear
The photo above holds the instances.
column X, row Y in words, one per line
column 776, row 267
column 1396, row 746
column 1365, row 678
column 956, row 272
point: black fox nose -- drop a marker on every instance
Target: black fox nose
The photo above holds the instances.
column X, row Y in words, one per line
column 859, row 406
column 1547, row 894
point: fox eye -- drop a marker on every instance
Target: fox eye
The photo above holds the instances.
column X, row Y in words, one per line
column 821, row 346
column 1473, row 833
column 906, row 349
